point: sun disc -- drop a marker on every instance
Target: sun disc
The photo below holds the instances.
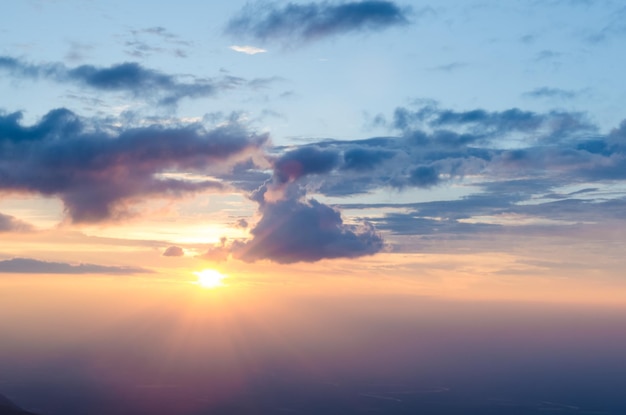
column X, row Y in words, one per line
column 209, row 278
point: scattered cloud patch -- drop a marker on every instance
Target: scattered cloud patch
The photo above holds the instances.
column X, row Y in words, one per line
column 142, row 43
column 295, row 22
column 34, row 266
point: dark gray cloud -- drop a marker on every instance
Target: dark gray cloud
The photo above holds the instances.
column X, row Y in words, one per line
column 10, row 224
column 304, row 161
column 97, row 170
column 174, row 251
column 424, row 176
column 360, row 158
column 295, row 22
column 294, row 230
column 34, row 266
column 128, row 77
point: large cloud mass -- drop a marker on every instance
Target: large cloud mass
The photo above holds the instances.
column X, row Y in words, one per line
column 96, row 170
column 294, row 230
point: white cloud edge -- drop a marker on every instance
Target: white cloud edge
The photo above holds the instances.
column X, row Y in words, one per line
column 249, row 50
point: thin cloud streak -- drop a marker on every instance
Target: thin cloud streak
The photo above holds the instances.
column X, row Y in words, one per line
column 34, row 266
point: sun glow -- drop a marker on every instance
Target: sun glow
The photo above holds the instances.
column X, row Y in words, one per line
column 209, row 278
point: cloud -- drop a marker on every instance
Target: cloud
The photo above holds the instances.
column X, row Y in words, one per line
column 516, row 161
column 142, row 46
column 249, row 50
column 10, row 224
column 174, row 251
column 34, row 266
column 294, row 230
column 312, row 21
column 219, row 252
column 304, row 161
column 98, row 170
column 615, row 27
column 546, row 92
column 449, row 67
column 128, row 77
column 435, row 146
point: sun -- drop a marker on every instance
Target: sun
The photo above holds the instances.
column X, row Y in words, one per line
column 209, row 278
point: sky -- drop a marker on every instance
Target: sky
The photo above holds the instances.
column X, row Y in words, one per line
column 362, row 174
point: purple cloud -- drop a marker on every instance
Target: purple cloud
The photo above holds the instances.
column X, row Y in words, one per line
column 306, row 231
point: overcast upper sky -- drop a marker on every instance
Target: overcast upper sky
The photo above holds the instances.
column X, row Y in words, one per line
column 294, row 132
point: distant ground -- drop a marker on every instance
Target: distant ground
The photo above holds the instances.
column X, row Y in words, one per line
column 9, row 408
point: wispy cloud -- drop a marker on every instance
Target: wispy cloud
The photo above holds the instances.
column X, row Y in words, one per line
column 34, row 266
column 295, row 22
column 547, row 92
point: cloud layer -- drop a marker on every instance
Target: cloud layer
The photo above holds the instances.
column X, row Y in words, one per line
column 312, row 21
column 516, row 161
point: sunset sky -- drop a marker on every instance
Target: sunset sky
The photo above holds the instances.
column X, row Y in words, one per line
column 192, row 191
